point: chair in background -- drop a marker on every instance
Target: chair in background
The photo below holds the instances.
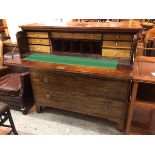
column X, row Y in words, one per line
column 15, row 88
column 5, row 115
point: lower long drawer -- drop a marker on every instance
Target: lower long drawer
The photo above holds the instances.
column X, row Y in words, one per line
column 80, row 102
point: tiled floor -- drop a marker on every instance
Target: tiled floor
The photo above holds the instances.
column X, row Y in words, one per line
column 59, row 122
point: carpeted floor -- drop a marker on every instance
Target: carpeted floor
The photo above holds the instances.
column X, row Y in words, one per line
column 59, row 122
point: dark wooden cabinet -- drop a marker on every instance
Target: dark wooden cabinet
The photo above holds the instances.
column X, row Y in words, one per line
column 100, row 92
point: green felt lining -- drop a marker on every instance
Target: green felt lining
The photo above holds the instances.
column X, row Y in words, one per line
column 70, row 60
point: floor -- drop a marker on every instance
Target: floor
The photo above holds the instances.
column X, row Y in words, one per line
column 60, row 122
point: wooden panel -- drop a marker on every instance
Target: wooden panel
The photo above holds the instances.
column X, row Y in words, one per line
column 38, row 48
column 79, row 102
column 127, row 37
column 76, row 35
column 103, row 88
column 37, row 34
column 120, row 53
column 116, row 44
column 38, row 41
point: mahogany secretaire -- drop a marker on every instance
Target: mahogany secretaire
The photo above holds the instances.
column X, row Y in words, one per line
column 83, row 67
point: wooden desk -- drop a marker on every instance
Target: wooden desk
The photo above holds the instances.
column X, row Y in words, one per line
column 143, row 68
column 95, row 91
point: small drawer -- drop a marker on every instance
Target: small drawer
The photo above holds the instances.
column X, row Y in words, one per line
column 39, row 41
column 38, row 48
column 116, row 44
column 120, row 53
column 127, row 37
column 37, row 34
column 76, row 35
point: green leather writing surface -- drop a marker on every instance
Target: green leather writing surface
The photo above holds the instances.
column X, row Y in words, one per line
column 70, row 60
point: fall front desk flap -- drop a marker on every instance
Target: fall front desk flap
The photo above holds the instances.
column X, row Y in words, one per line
column 69, row 60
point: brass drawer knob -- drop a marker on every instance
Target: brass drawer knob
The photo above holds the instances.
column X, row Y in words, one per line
column 91, row 36
column 38, row 41
column 45, row 79
column 47, row 96
column 36, row 35
column 116, row 44
column 60, row 67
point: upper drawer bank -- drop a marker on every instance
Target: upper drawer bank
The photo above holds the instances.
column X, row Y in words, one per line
column 69, row 35
column 39, row 42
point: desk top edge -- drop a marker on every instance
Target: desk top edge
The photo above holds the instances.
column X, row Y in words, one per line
column 87, row 26
column 118, row 73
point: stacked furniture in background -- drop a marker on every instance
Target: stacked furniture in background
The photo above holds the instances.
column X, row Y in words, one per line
column 15, row 88
column 15, row 84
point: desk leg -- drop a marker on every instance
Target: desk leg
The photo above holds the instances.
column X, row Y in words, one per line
column 131, row 107
column 38, row 109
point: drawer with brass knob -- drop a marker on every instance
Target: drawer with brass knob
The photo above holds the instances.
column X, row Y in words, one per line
column 127, row 37
column 120, row 53
column 117, row 44
column 45, row 80
column 76, row 35
column 80, row 84
column 47, row 96
column 79, row 102
column 37, row 34
column 39, row 48
column 38, row 41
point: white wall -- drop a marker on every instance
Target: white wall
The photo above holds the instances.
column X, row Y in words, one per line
column 13, row 24
column 19, row 12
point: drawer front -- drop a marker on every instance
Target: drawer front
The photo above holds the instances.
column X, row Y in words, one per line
column 76, row 35
column 38, row 48
column 79, row 102
column 116, row 44
column 103, row 88
column 120, row 53
column 38, row 41
column 37, row 34
column 127, row 37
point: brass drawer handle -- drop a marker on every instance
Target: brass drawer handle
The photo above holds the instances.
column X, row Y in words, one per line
column 36, row 34
column 91, row 36
column 38, row 41
column 45, row 79
column 60, row 67
column 115, row 53
column 59, row 35
column 117, row 36
column 48, row 96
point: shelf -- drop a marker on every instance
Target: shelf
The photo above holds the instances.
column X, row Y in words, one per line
column 144, row 104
